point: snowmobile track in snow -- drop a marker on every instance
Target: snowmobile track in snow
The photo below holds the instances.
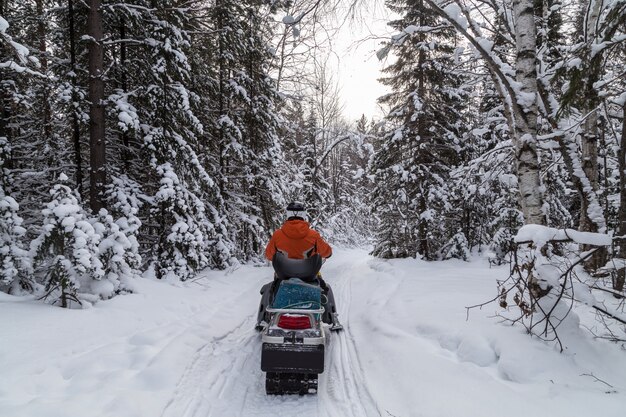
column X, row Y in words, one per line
column 207, row 377
column 224, row 378
column 346, row 385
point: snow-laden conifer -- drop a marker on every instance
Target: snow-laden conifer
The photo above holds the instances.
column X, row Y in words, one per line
column 15, row 265
column 456, row 248
column 423, row 132
column 183, row 246
column 123, row 198
column 118, row 251
column 66, row 250
column 14, row 260
column 186, row 205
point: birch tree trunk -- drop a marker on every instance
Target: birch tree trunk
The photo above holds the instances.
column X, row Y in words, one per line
column 589, row 222
column 525, row 117
column 520, row 99
column 97, row 177
column 591, row 214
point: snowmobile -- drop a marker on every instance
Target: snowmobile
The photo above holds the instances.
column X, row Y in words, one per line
column 293, row 337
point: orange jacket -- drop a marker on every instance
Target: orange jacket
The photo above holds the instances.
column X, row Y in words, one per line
column 298, row 241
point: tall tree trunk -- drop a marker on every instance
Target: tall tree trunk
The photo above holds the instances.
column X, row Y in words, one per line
column 222, row 89
column 43, row 60
column 123, row 54
column 591, row 216
column 520, row 103
column 3, row 115
column 422, row 132
column 5, row 104
column 126, row 154
column 525, row 118
column 75, row 124
column 589, row 137
column 97, row 149
column 618, row 285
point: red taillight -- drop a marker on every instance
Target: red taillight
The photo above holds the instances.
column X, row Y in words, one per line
column 294, row 322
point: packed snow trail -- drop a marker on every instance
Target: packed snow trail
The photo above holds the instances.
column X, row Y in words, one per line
column 225, row 379
column 190, row 350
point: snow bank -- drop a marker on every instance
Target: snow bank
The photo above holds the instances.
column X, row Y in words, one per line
column 123, row 357
column 540, row 235
column 417, row 347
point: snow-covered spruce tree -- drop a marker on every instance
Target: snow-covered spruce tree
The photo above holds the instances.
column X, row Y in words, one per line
column 241, row 135
column 118, row 254
column 21, row 119
column 119, row 228
column 183, row 246
column 456, row 248
column 349, row 221
column 506, row 224
column 190, row 232
column 395, row 234
column 15, row 267
column 125, row 24
column 264, row 173
column 315, row 187
column 48, row 116
column 66, row 251
column 14, row 260
column 412, row 165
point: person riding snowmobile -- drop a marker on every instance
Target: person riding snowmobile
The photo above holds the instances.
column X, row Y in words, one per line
column 297, row 240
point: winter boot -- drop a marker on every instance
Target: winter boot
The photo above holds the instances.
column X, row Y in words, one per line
column 335, row 326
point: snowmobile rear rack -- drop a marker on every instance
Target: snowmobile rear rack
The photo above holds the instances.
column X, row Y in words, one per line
column 295, row 310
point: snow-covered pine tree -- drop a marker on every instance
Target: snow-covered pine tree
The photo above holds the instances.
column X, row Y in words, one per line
column 190, row 232
column 118, row 255
column 456, row 248
column 412, row 165
column 241, row 134
column 22, row 85
column 15, row 266
column 315, row 188
column 349, row 222
column 66, row 251
column 265, row 175
column 119, row 229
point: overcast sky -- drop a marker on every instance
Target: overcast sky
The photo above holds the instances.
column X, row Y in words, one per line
column 357, row 66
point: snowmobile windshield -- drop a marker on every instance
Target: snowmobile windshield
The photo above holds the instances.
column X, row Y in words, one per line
column 305, row 269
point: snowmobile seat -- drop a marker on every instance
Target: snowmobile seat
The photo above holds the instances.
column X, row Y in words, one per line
column 305, row 269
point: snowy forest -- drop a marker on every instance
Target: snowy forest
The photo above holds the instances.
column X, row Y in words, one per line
column 149, row 149
column 168, row 136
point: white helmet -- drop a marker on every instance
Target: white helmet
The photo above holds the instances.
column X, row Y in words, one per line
column 296, row 209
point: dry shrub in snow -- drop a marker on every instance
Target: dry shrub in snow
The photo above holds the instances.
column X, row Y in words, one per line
column 549, row 286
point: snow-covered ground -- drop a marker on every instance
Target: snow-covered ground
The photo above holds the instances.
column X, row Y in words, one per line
column 189, row 350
